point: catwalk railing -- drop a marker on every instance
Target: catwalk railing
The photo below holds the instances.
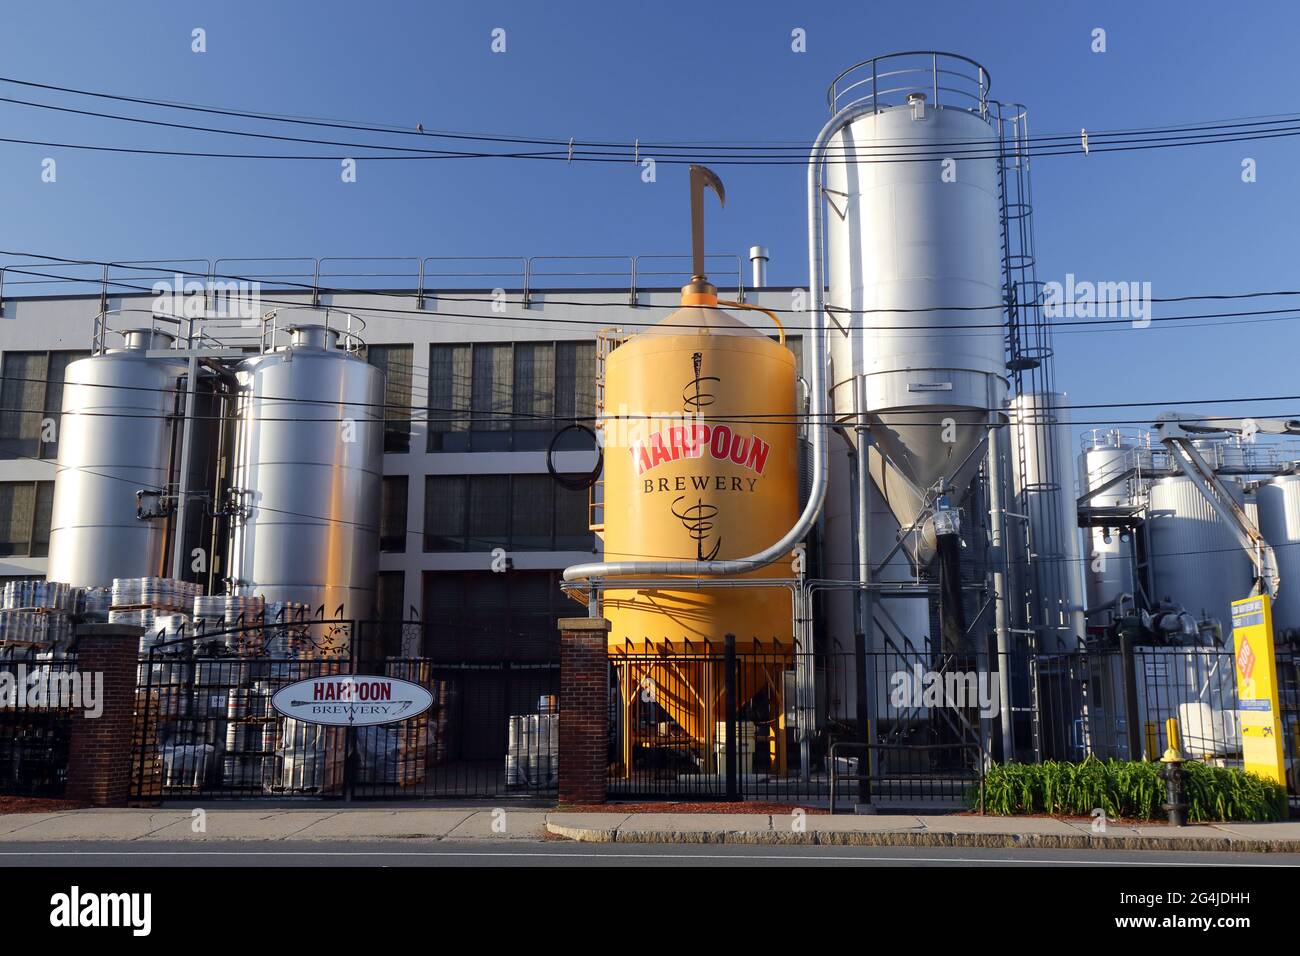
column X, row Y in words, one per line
column 423, row 278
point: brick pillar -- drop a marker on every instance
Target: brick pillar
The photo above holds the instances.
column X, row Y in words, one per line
column 99, row 751
column 584, row 709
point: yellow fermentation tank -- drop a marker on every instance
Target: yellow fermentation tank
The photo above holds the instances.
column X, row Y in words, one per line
column 701, row 463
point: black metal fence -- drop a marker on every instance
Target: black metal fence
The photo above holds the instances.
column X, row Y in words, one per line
column 906, row 728
column 36, row 709
column 1114, row 703
column 206, row 727
column 715, row 722
column 1288, row 678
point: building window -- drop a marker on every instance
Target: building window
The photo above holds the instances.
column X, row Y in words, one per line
column 444, row 513
column 31, row 392
column 509, row 396
column 392, row 513
column 396, row 363
column 495, row 615
column 391, row 597
column 515, row 512
column 25, row 509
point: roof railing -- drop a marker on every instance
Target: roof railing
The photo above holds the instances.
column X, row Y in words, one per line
column 430, row 275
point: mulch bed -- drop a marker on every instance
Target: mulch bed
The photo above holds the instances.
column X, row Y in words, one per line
column 11, row 804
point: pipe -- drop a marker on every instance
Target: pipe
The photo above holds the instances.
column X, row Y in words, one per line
column 997, row 532
column 183, row 477
column 780, row 329
column 817, row 406
column 863, row 637
column 758, row 258
column 1117, row 602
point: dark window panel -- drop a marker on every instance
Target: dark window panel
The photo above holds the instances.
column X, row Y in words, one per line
column 391, row 596
column 396, row 363
column 17, row 511
column 44, row 511
column 572, row 528
column 444, row 513
column 534, row 386
column 22, row 398
column 489, row 512
column 392, row 513
column 449, row 397
column 492, row 388
column 532, row 512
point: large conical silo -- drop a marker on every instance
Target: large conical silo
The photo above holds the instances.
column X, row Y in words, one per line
column 915, row 270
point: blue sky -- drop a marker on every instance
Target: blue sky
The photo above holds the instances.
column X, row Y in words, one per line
column 1180, row 219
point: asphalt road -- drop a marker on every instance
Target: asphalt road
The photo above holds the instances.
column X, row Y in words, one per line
column 564, row 853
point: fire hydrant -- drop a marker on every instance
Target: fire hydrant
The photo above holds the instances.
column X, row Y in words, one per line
column 1171, row 772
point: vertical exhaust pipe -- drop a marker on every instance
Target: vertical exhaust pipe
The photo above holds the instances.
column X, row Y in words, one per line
column 758, row 259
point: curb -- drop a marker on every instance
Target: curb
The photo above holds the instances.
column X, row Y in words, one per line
column 984, row 841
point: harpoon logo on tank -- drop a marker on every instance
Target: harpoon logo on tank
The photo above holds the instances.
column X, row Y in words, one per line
column 182, row 298
column 962, row 690
column 698, row 440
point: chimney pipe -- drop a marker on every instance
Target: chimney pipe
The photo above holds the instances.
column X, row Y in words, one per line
column 758, row 256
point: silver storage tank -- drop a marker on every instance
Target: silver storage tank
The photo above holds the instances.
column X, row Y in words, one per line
column 1194, row 557
column 1279, row 523
column 308, row 462
column 1108, row 556
column 115, row 438
column 1043, row 484
column 909, row 236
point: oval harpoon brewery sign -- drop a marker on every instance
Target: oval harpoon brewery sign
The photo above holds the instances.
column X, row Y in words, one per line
column 352, row 700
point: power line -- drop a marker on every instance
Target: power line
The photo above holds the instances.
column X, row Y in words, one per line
column 422, row 533
column 1207, row 126
column 800, row 417
column 336, row 290
column 1061, row 327
column 580, row 158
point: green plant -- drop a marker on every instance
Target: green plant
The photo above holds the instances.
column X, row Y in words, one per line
column 1127, row 789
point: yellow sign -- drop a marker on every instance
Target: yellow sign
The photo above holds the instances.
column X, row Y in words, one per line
column 1261, row 729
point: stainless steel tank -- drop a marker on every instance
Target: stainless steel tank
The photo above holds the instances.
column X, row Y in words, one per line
column 1108, row 554
column 1043, row 485
column 1279, row 523
column 115, row 439
column 309, row 457
column 1194, row 557
column 914, row 255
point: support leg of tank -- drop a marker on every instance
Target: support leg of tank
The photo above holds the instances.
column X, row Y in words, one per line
column 778, row 695
column 628, row 693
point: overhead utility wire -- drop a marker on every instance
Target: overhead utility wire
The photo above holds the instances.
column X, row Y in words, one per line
column 392, row 129
column 951, row 331
column 422, row 534
column 985, row 148
column 747, row 416
column 562, row 156
column 338, row 290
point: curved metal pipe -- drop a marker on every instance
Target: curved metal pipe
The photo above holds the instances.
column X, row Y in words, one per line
column 817, row 404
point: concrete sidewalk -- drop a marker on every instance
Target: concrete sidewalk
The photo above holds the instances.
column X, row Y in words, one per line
column 328, row 824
